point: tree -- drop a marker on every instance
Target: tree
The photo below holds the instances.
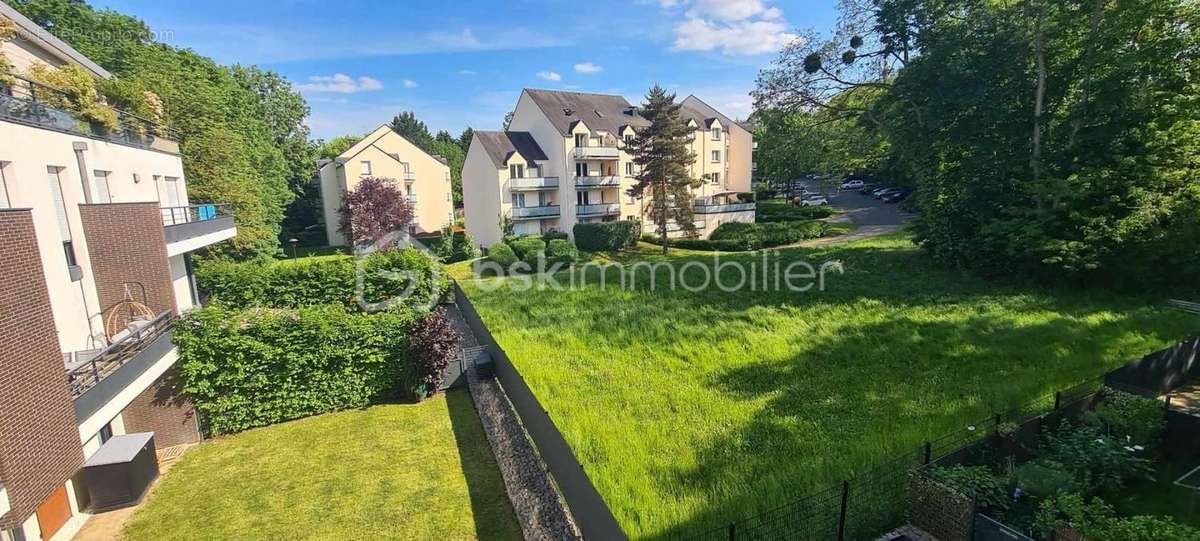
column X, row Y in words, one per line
column 662, row 154
column 432, row 344
column 328, row 150
column 464, row 139
column 284, row 111
column 448, row 148
column 407, row 125
column 372, row 210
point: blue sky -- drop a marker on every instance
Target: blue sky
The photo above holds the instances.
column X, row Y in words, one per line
column 459, row 64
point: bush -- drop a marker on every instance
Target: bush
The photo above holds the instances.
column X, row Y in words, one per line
column 554, row 234
column 469, row 248
column 1130, row 417
column 445, row 246
column 989, row 490
column 705, row 245
column 562, row 251
column 766, row 235
column 1095, row 519
column 533, row 258
column 1096, row 460
column 264, row 366
column 606, row 236
column 1044, row 479
column 503, row 255
column 431, row 346
column 524, row 246
column 780, row 210
column 322, row 280
column 746, row 197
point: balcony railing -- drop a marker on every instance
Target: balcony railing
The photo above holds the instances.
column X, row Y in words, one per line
column 194, row 213
column 90, row 371
column 598, row 181
column 534, row 212
column 717, row 209
column 27, row 102
column 535, row 183
column 596, row 153
column 597, row 210
column 411, row 198
column 410, row 176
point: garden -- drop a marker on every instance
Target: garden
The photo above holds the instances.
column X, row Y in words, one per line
column 690, row 410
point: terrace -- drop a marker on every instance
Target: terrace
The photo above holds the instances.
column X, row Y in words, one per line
column 533, row 183
column 191, row 227
column 96, row 376
column 533, row 213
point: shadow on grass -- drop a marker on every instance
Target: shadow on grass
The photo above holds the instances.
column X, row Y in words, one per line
column 493, row 513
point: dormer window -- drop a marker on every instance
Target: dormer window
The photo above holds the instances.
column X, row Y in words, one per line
column 581, row 140
column 628, row 137
column 516, row 170
column 716, row 134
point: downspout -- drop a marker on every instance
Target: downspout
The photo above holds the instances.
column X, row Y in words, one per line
column 79, row 147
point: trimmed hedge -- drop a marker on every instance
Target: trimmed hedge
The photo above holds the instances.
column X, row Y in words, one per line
column 780, row 210
column 502, row 254
column 701, row 244
column 562, row 251
column 321, row 280
column 464, row 247
column 606, row 236
column 527, row 245
column 554, row 234
column 264, row 366
column 744, row 237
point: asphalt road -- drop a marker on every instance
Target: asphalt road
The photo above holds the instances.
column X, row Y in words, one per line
column 870, row 216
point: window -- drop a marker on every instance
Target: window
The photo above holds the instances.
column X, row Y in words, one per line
column 365, row 167
column 5, row 202
column 581, row 169
column 60, row 210
column 516, row 170
column 581, row 140
column 541, row 199
column 106, row 432
column 716, row 156
column 716, row 134
column 101, row 193
column 628, row 137
column 629, row 168
column 518, row 200
column 582, row 198
column 716, row 178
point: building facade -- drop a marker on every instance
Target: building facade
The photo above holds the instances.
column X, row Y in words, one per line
column 95, row 235
column 424, row 179
column 563, row 161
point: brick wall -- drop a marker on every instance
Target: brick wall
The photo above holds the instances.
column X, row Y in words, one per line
column 39, row 442
column 126, row 244
column 165, row 410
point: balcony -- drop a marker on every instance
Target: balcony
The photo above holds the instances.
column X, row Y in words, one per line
column 718, row 209
column 411, row 198
column 596, row 153
column 409, row 176
column 610, row 181
column 672, row 227
column 532, row 184
column 195, row 226
column 533, row 213
column 34, row 104
column 95, row 377
column 602, row 209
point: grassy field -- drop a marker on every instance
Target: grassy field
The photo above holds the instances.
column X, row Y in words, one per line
column 420, row 471
column 689, row 409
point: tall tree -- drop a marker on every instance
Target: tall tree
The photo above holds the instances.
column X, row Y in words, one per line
column 664, row 158
column 464, row 139
column 328, row 150
column 407, row 125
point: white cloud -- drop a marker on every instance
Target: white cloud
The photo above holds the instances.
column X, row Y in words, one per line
column 588, row 67
column 340, row 83
column 736, row 38
column 467, row 72
column 409, row 83
column 731, row 10
column 549, row 75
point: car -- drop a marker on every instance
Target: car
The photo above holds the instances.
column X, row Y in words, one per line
column 875, row 193
column 852, row 185
column 884, row 193
column 814, row 201
column 868, row 188
column 896, row 196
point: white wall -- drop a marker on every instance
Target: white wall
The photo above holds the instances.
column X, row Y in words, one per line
column 528, row 117
column 482, row 198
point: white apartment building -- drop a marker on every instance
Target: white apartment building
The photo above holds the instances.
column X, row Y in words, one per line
column 96, row 229
column 563, row 161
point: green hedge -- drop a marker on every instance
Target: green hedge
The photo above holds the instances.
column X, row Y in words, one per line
column 528, row 245
column 562, row 251
column 743, row 237
column 702, row 245
column 321, row 280
column 257, row 367
column 780, row 210
column 606, row 236
column 502, row 254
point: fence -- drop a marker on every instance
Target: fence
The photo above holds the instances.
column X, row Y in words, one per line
column 1160, row 372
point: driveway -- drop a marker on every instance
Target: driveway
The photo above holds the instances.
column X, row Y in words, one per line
column 870, row 216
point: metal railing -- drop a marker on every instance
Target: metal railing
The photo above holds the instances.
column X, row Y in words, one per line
column 535, row 212
column 597, row 152
column 716, row 209
column 410, row 176
column 601, row 209
column 30, row 102
column 193, row 213
column 605, row 180
column 411, row 198
column 532, row 183
column 108, row 360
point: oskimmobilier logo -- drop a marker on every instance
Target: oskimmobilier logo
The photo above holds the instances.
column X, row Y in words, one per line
column 766, row 272
column 410, row 278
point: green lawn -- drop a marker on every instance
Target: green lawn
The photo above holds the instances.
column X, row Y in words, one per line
column 689, row 410
column 392, row 471
column 1162, row 496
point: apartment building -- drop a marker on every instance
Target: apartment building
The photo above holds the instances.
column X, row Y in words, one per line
column 563, row 161
column 424, row 178
column 96, row 229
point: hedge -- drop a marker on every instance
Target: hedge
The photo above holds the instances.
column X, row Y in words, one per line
column 780, row 210
column 743, row 237
column 321, row 280
column 562, row 251
column 702, row 245
column 606, row 236
column 525, row 246
column 502, row 254
column 263, row 366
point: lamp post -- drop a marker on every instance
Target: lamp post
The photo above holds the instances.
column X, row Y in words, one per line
column 293, row 241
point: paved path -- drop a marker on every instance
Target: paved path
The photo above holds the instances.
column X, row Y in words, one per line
column 870, row 216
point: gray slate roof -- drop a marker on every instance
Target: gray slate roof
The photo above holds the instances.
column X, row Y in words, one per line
column 600, row 112
column 501, row 144
column 703, row 113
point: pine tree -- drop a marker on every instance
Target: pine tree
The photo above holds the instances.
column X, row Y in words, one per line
column 663, row 158
column 409, row 127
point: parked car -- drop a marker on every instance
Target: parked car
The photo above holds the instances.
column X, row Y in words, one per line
column 884, row 193
column 875, row 193
column 868, row 188
column 852, row 185
column 814, row 201
column 896, row 196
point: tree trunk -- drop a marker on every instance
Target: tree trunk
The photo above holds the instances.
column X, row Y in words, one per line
column 1039, row 98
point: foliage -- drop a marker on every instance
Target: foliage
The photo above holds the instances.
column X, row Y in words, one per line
column 1044, row 479
column 333, row 148
column 1130, row 418
column 605, row 236
column 781, row 210
column 502, row 254
column 704, row 245
column 373, row 210
column 768, row 234
column 417, row 133
column 322, row 280
column 470, row 249
column 79, row 93
column 535, row 259
column 664, row 159
column 288, row 363
column 1096, row 460
column 989, row 490
column 445, row 245
column 431, row 346
column 523, row 246
column 1095, row 519
column 562, row 251
column 447, row 147
column 554, row 234
column 228, row 139
column 8, row 30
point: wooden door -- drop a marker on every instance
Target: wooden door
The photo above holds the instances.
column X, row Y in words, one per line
column 54, row 512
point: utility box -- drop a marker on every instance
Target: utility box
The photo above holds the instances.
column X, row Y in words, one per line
column 120, row 472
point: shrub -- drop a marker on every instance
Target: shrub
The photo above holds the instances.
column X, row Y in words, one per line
column 554, row 234
column 746, row 197
column 445, row 246
column 740, row 245
column 1095, row 519
column 534, row 259
column 524, row 246
column 1130, row 417
column 769, row 234
column 780, row 210
column 469, row 249
column 502, row 254
column 989, row 490
column 1096, row 460
column 562, row 251
column 431, row 346
column 322, row 280
column 264, row 366
column 606, row 236
column 1044, row 479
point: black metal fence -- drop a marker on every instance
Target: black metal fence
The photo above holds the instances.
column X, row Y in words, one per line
column 108, row 360
column 33, row 103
